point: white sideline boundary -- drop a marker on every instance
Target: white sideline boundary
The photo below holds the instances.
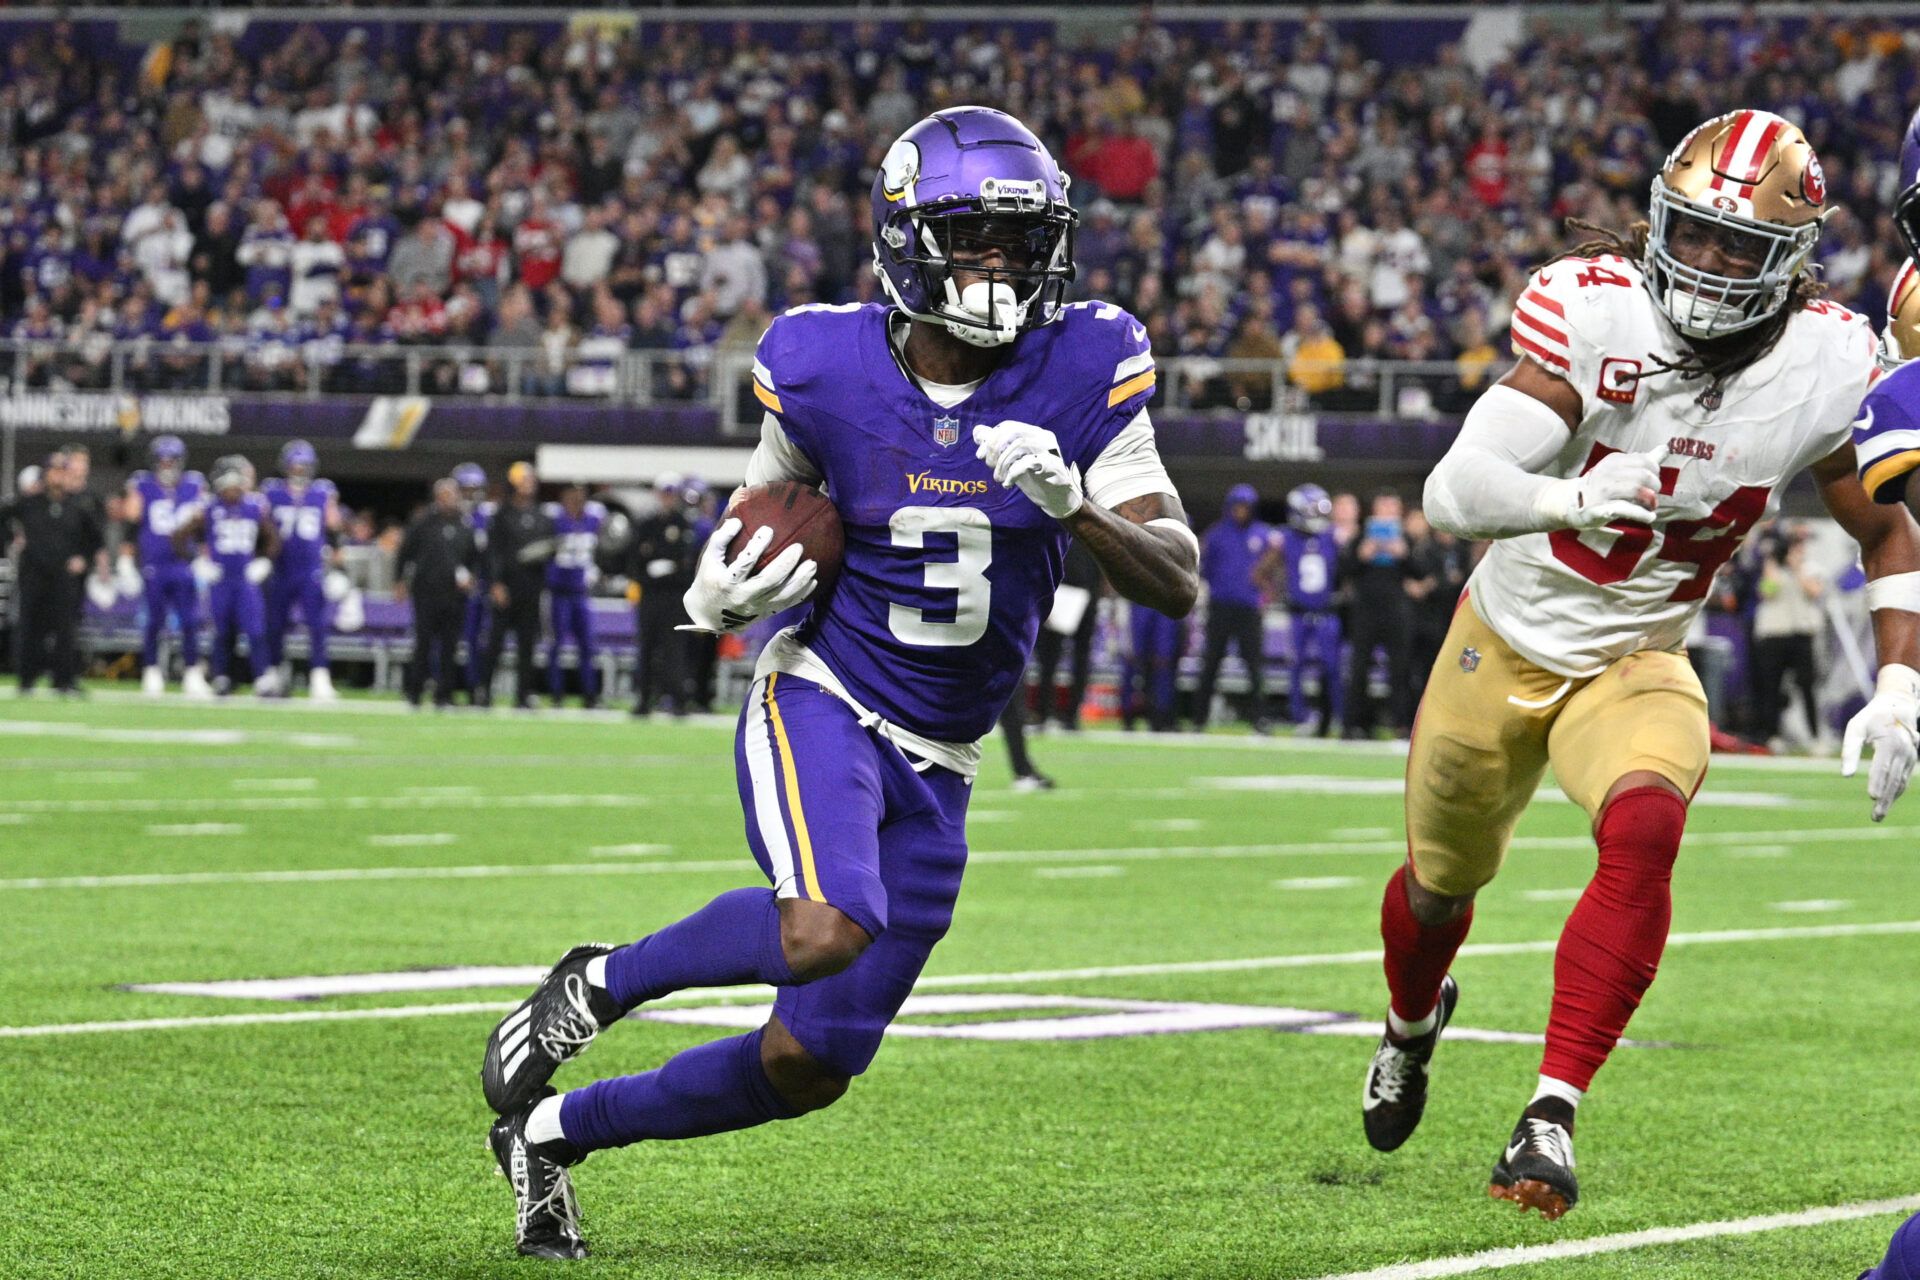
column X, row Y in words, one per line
column 950, row 980
column 1737, row 840
column 1526, row 1255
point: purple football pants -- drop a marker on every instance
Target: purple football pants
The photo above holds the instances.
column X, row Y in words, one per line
column 308, row 591
column 1313, row 640
column 170, row 588
column 234, row 605
column 572, row 620
column 1154, row 662
column 837, row 814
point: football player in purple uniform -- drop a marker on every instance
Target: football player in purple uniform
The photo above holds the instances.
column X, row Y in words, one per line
column 570, row 577
column 966, row 432
column 472, row 479
column 241, row 541
column 1312, row 553
column 159, row 502
column 306, row 514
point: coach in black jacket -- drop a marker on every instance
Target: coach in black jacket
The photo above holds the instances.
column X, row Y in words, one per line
column 437, row 564
column 61, row 534
column 520, row 545
column 662, row 559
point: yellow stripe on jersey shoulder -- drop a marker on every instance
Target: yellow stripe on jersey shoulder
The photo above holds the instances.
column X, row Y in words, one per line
column 1131, row 387
column 767, row 397
column 1889, row 468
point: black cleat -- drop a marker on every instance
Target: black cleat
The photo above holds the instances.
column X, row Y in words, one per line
column 1536, row 1169
column 1396, row 1093
column 547, row 1217
column 555, row 1023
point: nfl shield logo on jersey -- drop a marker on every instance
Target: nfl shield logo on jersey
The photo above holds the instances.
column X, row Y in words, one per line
column 946, row 431
column 1469, row 659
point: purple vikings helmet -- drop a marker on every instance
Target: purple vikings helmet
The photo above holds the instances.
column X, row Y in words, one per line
column 470, row 476
column 298, row 460
column 1906, row 206
column 961, row 184
column 232, row 472
column 694, row 490
column 169, row 455
column 1309, row 509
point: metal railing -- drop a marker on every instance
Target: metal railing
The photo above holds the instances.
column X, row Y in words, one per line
column 719, row 376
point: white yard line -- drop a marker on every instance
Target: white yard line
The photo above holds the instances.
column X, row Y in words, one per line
column 1094, row 871
column 197, row 829
column 412, row 839
column 1527, row 1255
column 985, row 857
column 470, row 977
column 320, row 804
column 276, row 784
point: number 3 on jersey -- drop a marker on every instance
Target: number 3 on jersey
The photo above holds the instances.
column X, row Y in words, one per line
column 1705, row 544
column 965, row 575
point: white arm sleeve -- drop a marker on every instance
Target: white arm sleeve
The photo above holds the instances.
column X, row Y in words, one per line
column 1488, row 485
column 1129, row 467
column 778, row 458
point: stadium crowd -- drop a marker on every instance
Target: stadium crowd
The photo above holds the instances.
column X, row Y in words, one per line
column 1250, row 195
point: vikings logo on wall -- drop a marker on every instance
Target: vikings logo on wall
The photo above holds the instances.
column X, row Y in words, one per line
column 946, row 431
column 900, row 171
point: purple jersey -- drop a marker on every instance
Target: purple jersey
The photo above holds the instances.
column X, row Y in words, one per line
column 575, row 539
column 478, row 520
column 947, row 575
column 1228, row 555
column 233, row 531
column 164, row 508
column 1311, row 558
column 301, row 515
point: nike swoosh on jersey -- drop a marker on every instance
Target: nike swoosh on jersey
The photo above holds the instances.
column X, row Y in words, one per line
column 1865, row 424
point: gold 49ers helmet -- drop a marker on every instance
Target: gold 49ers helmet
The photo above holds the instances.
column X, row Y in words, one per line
column 1900, row 340
column 1736, row 212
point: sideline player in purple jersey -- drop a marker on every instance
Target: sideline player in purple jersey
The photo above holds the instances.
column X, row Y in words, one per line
column 966, row 432
column 1312, row 554
column 159, row 502
column 306, row 514
column 241, row 541
column 570, row 577
column 472, row 480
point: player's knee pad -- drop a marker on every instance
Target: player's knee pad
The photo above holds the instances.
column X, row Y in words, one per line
column 820, row 940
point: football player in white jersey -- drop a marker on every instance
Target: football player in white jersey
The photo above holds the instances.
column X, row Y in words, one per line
column 1672, row 380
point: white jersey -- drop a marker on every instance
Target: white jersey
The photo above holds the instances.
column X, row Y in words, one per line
column 1573, row 601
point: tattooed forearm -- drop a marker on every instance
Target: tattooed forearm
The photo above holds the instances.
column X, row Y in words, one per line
column 1156, row 567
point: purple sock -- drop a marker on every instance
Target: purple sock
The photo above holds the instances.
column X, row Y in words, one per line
column 710, row 1088
column 732, row 940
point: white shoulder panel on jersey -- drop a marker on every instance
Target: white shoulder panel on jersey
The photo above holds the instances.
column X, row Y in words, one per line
column 1129, row 467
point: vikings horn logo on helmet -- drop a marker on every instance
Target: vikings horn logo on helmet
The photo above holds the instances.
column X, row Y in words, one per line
column 900, row 170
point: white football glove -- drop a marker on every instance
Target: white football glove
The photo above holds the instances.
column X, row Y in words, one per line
column 1622, row 486
column 205, row 571
column 259, row 569
column 126, row 576
column 727, row 597
column 1886, row 724
column 1028, row 457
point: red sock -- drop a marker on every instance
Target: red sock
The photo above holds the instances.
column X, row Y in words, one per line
column 1418, row 955
column 1611, row 945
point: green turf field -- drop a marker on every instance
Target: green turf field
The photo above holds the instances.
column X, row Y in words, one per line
column 279, row 1140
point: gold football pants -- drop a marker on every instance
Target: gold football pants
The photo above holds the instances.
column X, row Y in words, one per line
column 1491, row 722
